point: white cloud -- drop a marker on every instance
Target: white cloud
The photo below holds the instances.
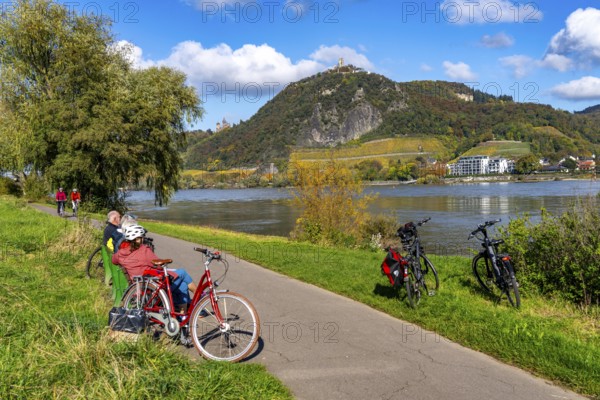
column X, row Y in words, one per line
column 248, row 64
column 426, row 68
column 499, row 40
column 580, row 39
column 558, row 62
column 245, row 70
column 331, row 55
column 459, row 71
column 586, row 88
column 489, row 12
column 521, row 65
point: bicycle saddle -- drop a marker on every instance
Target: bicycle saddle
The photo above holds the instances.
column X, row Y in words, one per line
column 161, row 262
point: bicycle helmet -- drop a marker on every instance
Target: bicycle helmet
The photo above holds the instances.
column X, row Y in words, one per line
column 74, row 190
column 133, row 232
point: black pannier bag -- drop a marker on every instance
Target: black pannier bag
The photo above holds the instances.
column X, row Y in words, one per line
column 123, row 320
column 391, row 267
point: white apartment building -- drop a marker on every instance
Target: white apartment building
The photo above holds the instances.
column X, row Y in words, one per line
column 470, row 165
column 497, row 166
column 481, row 165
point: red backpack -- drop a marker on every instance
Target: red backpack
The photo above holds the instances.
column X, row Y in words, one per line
column 393, row 266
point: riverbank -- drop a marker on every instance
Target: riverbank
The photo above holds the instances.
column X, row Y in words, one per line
column 248, row 179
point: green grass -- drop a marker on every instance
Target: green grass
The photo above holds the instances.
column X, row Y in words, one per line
column 549, row 338
column 53, row 328
column 376, row 149
column 508, row 149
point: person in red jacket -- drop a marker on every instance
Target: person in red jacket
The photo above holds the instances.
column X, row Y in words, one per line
column 136, row 257
column 61, row 198
column 75, row 199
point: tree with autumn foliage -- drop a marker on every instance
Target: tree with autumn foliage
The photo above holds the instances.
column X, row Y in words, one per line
column 334, row 208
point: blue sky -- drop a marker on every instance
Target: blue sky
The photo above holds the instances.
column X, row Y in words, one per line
column 239, row 54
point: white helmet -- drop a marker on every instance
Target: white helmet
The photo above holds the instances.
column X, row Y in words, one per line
column 133, row 232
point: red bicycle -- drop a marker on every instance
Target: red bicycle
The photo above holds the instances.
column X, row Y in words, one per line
column 222, row 325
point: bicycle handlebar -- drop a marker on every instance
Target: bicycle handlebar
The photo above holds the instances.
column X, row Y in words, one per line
column 482, row 227
column 421, row 222
column 216, row 255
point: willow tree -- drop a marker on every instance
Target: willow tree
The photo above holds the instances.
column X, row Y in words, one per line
column 76, row 111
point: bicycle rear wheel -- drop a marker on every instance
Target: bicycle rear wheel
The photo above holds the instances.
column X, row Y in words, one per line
column 234, row 338
column 95, row 265
column 431, row 281
column 511, row 286
column 142, row 295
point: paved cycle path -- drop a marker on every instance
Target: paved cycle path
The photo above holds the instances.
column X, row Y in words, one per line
column 325, row 346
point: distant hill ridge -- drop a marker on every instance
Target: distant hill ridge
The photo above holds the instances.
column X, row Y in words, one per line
column 332, row 109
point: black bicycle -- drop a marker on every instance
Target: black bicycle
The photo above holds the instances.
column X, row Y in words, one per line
column 421, row 277
column 494, row 270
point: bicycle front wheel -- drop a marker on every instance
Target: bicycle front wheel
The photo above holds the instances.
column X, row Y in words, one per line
column 484, row 272
column 231, row 339
column 95, row 265
column 413, row 295
column 511, row 286
column 431, row 282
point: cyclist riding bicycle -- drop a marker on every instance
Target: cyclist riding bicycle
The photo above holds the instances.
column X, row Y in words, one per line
column 75, row 198
column 61, row 198
column 136, row 257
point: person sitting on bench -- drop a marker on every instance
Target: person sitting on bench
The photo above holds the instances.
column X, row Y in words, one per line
column 137, row 257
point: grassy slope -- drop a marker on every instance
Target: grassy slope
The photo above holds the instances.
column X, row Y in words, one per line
column 53, row 335
column 549, row 338
column 506, row 149
column 376, row 149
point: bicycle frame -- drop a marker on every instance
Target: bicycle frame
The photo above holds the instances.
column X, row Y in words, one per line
column 490, row 249
column 414, row 251
column 502, row 271
column 424, row 277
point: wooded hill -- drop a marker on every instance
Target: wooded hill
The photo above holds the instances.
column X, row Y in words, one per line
column 333, row 109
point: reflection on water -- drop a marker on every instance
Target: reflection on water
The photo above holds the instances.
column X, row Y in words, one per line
column 455, row 210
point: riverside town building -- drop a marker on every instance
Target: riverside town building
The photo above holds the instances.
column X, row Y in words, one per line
column 481, row 165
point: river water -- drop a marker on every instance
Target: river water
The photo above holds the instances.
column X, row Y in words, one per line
column 455, row 210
